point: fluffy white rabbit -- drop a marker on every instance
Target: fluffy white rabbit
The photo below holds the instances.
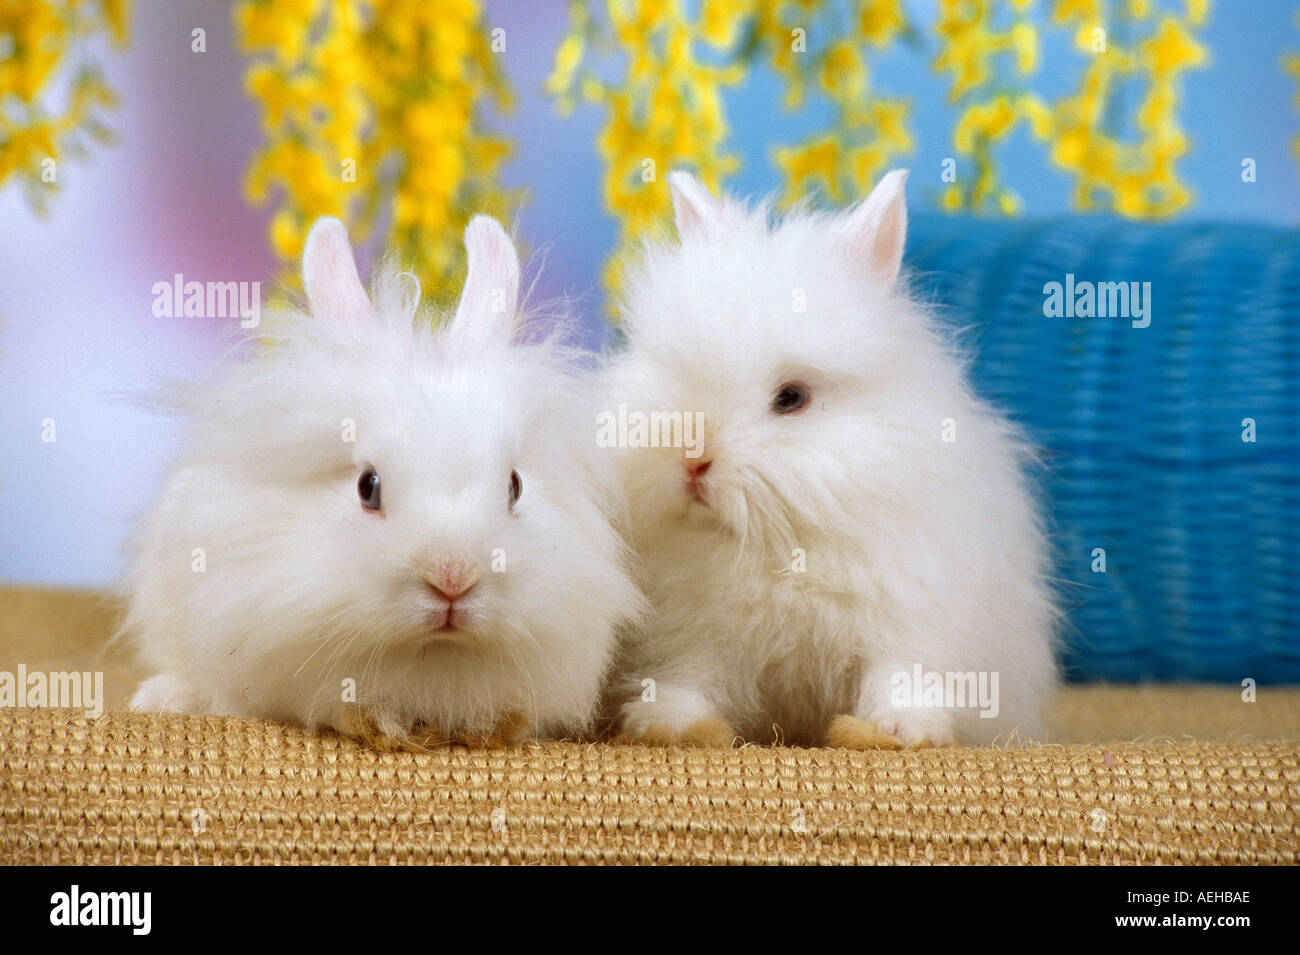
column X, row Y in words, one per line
column 397, row 532
column 854, row 515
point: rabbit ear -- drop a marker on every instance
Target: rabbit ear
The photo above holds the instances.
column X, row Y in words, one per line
column 486, row 314
column 693, row 206
column 875, row 231
column 329, row 274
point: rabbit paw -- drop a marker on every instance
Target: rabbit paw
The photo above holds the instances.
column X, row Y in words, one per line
column 510, row 729
column 709, row 733
column 372, row 727
column 166, row 694
column 890, row 729
column 678, row 716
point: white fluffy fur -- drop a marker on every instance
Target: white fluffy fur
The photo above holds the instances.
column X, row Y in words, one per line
column 917, row 551
column 304, row 588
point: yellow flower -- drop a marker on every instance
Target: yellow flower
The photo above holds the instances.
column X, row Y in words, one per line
column 1071, row 148
column 48, row 59
column 567, row 57
column 371, row 112
column 890, row 121
column 843, row 73
column 1038, row 113
column 721, row 20
column 286, row 236
column 987, row 121
column 866, row 163
column 879, row 21
column 1171, row 50
column 1024, row 40
column 1009, row 204
column 1089, row 10
column 815, row 163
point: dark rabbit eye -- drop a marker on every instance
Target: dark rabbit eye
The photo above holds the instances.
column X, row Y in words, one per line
column 516, row 488
column 791, row 397
column 368, row 489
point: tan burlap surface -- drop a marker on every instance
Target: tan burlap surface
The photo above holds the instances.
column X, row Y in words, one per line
column 1143, row 775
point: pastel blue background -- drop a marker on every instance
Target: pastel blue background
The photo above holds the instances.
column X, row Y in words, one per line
column 75, row 290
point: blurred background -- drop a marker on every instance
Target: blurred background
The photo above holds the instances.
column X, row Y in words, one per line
column 201, row 138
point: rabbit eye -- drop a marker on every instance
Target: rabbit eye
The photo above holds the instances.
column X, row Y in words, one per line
column 516, row 488
column 791, row 397
column 368, row 489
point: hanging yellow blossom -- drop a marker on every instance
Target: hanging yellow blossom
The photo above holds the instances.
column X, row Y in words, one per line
column 868, row 132
column 978, row 57
column 666, row 109
column 1136, row 178
column 371, row 112
column 879, row 23
column 39, row 40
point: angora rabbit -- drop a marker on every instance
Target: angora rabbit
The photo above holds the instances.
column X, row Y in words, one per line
column 852, row 553
column 397, row 532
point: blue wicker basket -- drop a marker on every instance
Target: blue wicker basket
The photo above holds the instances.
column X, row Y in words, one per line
column 1143, row 429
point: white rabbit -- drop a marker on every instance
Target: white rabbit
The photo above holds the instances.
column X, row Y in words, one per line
column 389, row 530
column 854, row 516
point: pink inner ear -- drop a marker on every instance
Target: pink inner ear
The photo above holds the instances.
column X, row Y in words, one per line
column 694, row 208
column 488, row 305
column 876, row 231
column 334, row 289
column 887, row 249
column 493, row 263
column 353, row 305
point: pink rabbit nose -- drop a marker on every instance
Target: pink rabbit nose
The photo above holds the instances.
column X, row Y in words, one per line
column 452, row 579
column 696, row 467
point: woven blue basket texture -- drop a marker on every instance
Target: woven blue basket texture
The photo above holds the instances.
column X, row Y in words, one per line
column 1143, row 429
